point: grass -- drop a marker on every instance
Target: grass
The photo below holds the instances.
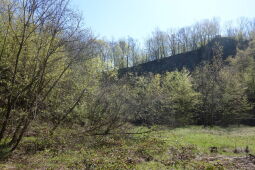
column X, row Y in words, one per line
column 226, row 140
column 201, row 140
column 161, row 149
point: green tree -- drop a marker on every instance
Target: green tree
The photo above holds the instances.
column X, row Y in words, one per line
column 42, row 40
column 168, row 99
column 181, row 98
column 223, row 92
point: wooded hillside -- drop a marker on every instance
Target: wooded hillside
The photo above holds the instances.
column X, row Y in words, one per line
column 65, row 92
column 189, row 59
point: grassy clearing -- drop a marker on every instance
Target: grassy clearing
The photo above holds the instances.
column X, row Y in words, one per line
column 195, row 142
column 225, row 139
column 179, row 148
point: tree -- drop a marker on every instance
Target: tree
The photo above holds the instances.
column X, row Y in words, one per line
column 172, row 42
column 243, row 65
column 224, row 99
column 168, row 99
column 133, row 51
column 181, row 98
column 124, row 49
column 42, row 41
column 234, row 102
column 157, row 46
column 208, row 82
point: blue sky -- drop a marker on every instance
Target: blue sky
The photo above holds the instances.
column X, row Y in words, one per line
column 138, row 18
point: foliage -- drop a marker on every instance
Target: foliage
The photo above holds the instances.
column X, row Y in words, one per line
column 182, row 98
column 167, row 99
column 223, row 92
column 57, row 80
column 40, row 43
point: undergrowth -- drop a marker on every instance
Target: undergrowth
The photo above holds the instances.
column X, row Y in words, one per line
column 160, row 149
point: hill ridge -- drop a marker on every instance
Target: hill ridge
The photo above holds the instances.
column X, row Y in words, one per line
column 188, row 60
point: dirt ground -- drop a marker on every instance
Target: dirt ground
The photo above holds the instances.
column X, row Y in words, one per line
column 231, row 162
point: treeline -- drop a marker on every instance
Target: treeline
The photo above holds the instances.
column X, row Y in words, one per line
column 51, row 73
column 128, row 52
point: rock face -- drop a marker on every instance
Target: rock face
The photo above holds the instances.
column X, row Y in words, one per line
column 187, row 60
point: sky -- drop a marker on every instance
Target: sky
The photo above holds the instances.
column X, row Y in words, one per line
column 116, row 19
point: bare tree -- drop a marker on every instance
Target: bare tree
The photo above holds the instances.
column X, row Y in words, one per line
column 172, row 41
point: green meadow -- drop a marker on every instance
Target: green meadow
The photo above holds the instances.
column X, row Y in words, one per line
column 154, row 148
